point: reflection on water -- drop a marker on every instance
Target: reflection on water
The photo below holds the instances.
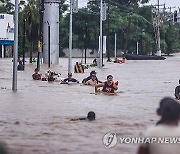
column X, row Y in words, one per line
column 36, row 118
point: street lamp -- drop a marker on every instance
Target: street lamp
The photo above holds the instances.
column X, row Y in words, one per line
column 15, row 53
column 115, row 46
column 85, row 45
column 49, row 58
column 24, row 40
column 70, row 40
column 101, row 41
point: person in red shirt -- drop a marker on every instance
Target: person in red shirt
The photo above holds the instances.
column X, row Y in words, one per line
column 109, row 86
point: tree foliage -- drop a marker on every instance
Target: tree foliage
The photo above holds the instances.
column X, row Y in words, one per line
column 8, row 7
column 131, row 22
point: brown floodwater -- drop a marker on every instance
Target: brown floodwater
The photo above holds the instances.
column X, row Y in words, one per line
column 36, row 118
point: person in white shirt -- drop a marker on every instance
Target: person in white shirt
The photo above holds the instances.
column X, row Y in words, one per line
column 92, row 81
column 166, row 133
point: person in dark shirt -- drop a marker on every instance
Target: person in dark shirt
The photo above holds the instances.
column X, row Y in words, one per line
column 109, row 86
column 90, row 117
column 177, row 91
column 69, row 79
column 93, row 73
column 95, row 62
column 36, row 75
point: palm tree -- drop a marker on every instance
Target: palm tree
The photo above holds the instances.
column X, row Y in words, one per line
column 31, row 12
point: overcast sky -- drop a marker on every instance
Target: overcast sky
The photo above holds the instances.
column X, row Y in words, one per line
column 168, row 3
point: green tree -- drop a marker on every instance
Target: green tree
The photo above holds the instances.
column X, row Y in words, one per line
column 8, row 7
column 171, row 38
column 63, row 30
column 32, row 17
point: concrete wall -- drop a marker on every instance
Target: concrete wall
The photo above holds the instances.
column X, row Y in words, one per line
column 77, row 53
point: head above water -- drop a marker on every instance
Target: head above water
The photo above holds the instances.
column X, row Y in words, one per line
column 109, row 76
column 93, row 76
column 91, row 115
column 69, row 74
column 169, row 110
column 49, row 71
column 93, row 73
column 36, row 70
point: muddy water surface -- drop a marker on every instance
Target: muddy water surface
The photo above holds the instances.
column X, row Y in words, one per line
column 36, row 118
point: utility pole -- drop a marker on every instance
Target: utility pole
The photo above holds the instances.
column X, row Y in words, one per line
column 70, row 40
column 49, row 52
column 137, row 48
column 73, row 8
column 24, row 39
column 108, row 41
column 158, row 33
column 171, row 16
column 115, row 46
column 137, row 43
column 157, row 23
column 40, row 33
column 85, row 42
column 15, row 54
column 157, row 27
column 103, row 41
column 100, row 49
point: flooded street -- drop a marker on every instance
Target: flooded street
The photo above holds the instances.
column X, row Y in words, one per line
column 36, row 118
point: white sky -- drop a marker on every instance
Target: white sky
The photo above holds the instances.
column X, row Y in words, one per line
column 168, row 3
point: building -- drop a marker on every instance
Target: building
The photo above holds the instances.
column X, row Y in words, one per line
column 6, row 35
column 178, row 17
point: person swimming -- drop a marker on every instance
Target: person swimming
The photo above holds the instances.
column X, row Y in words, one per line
column 69, row 79
column 36, row 75
column 109, row 86
column 90, row 117
column 92, row 81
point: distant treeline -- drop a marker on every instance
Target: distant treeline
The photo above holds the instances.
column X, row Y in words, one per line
column 131, row 22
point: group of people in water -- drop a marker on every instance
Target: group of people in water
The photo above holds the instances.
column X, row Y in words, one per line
column 169, row 112
column 108, row 86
